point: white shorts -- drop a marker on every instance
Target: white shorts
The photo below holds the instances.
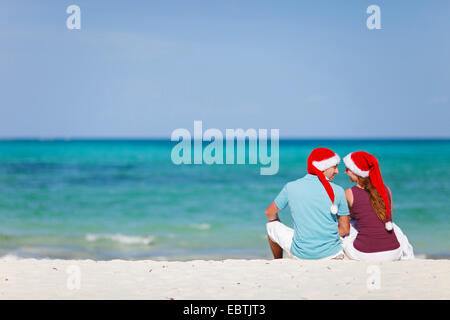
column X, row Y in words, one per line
column 283, row 235
column 405, row 251
column 355, row 254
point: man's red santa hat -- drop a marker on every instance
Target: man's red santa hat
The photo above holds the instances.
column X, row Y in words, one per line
column 320, row 160
column 365, row 165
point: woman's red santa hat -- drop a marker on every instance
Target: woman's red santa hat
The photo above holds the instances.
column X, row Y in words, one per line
column 320, row 160
column 366, row 165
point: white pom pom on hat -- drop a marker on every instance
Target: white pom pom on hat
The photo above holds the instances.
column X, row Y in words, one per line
column 334, row 209
column 388, row 226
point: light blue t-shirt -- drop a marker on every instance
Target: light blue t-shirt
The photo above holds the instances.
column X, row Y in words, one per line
column 315, row 227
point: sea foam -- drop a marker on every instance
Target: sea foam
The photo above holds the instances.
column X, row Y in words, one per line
column 123, row 239
column 10, row 257
column 201, row 226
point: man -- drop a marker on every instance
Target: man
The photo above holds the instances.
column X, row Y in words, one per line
column 319, row 210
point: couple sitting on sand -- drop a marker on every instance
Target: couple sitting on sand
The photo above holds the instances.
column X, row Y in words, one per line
column 320, row 212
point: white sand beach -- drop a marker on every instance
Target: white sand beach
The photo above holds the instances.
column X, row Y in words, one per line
column 226, row 279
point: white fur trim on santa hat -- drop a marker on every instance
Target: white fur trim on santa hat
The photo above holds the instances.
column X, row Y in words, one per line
column 327, row 163
column 352, row 166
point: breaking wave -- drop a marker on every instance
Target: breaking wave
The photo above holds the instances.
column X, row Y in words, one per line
column 123, row 239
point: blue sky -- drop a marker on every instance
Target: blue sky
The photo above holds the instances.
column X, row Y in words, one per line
column 144, row 68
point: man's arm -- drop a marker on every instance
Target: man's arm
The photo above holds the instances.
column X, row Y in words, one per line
column 272, row 212
column 343, row 225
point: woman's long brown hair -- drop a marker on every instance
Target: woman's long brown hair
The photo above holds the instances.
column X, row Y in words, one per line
column 375, row 199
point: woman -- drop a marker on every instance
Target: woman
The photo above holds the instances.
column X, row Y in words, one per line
column 370, row 203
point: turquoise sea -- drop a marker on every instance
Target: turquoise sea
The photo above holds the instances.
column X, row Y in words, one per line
column 125, row 199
